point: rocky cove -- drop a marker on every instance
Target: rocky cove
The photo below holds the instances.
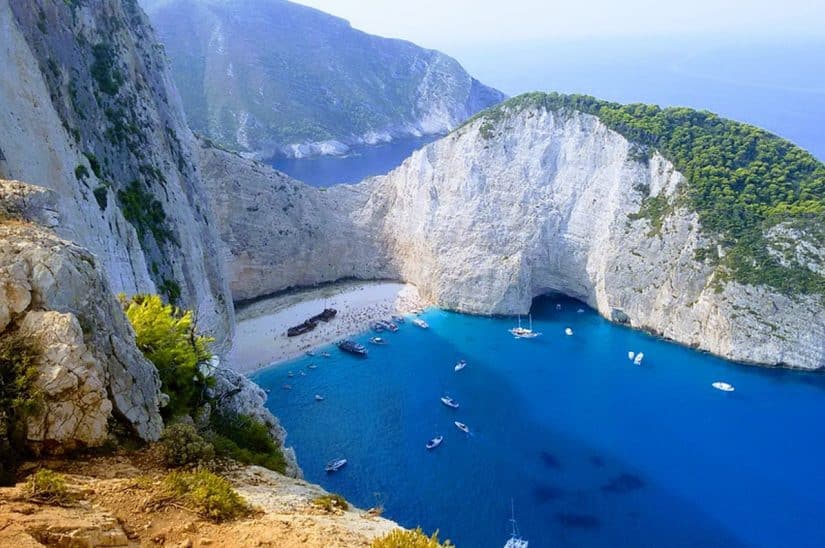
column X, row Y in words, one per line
column 485, row 225
column 105, row 190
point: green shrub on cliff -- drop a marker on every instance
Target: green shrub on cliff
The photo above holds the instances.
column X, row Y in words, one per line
column 331, row 503
column 48, row 486
column 209, row 495
column 167, row 337
column 182, row 445
column 19, row 398
column 402, row 538
column 245, row 440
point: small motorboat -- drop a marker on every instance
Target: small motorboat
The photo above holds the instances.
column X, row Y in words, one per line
column 303, row 373
column 268, row 391
column 421, row 323
column 312, row 366
column 377, row 340
column 378, row 327
column 449, row 402
column 558, row 307
column 639, row 357
column 463, row 427
column 352, row 347
column 319, row 397
column 335, row 465
column 325, row 354
column 435, row 442
column 460, row 365
column 290, row 374
column 568, row 331
column 398, row 319
column 287, row 387
column 580, row 311
column 631, row 355
column 309, row 353
column 723, row 386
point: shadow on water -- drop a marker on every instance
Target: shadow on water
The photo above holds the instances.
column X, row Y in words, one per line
column 549, row 460
column 570, row 487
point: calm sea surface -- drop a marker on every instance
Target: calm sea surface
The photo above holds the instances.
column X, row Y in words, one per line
column 593, row 450
column 361, row 163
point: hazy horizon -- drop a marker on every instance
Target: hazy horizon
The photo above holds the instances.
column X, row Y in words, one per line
column 452, row 24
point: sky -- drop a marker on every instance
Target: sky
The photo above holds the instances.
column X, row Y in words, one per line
column 458, row 24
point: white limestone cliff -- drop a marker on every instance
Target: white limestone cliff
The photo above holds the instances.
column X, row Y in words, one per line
column 484, row 225
column 87, row 107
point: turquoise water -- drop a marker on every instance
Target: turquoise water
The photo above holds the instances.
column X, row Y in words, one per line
column 593, row 450
column 361, row 163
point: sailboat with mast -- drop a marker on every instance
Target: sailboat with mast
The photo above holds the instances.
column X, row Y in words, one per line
column 515, row 540
column 524, row 332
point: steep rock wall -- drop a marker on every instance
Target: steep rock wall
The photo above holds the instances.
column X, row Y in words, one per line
column 280, row 233
column 273, row 77
column 88, row 109
column 55, row 293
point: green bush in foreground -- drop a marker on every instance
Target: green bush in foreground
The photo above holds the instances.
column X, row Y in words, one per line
column 402, row 538
column 182, row 445
column 245, row 440
column 209, row 495
column 331, row 502
column 48, row 486
column 19, row 398
column 167, row 337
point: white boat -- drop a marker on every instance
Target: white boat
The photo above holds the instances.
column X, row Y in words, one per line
column 335, row 465
column 515, row 540
column 463, row 427
column 309, row 353
column 723, row 386
column 290, row 374
column 631, row 355
column 378, row 340
column 580, row 311
column 303, row 373
column 449, row 402
column 312, row 366
column 460, row 365
column 568, row 331
column 421, row 323
column 639, row 357
column 325, row 354
column 319, row 397
column 435, row 442
column 287, row 387
column 558, row 307
column 524, row 332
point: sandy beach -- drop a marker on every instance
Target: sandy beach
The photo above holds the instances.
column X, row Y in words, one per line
column 260, row 336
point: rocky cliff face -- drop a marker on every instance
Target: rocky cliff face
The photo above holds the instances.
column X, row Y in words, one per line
column 484, row 225
column 55, row 294
column 88, row 109
column 280, row 233
column 274, row 77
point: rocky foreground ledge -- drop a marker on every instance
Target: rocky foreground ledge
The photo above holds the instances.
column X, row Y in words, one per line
column 118, row 501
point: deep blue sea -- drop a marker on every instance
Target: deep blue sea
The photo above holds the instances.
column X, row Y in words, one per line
column 593, row 450
column 360, row 163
